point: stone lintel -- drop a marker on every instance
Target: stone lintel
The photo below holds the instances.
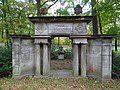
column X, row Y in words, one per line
column 93, row 36
column 29, row 36
column 53, row 19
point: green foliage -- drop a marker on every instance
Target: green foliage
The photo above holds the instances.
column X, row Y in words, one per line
column 14, row 18
column 109, row 12
column 68, row 53
column 116, row 65
column 54, row 49
column 64, row 10
column 63, row 41
column 54, row 52
column 67, row 41
column 5, row 61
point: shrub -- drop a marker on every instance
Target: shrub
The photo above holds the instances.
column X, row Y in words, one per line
column 116, row 65
column 5, row 61
column 68, row 53
column 54, row 49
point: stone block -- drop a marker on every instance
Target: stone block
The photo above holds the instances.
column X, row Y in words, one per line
column 41, row 29
column 60, row 29
column 78, row 41
column 106, row 50
column 79, row 29
column 96, row 42
column 41, row 41
column 107, row 41
column 106, row 61
column 27, row 57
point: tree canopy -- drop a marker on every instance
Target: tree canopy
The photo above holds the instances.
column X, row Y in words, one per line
column 14, row 15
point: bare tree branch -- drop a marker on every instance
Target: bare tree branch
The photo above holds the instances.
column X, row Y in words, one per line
column 52, row 4
column 44, row 3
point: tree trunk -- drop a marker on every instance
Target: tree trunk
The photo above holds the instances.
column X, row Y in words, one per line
column 115, row 44
column 38, row 7
column 94, row 20
column 100, row 25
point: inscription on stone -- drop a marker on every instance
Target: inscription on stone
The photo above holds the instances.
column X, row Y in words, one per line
column 60, row 28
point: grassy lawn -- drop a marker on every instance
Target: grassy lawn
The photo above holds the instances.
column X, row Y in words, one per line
column 58, row 84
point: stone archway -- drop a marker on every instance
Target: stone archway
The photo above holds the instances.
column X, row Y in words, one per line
column 91, row 54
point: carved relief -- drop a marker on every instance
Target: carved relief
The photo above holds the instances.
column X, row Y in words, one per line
column 79, row 29
column 41, row 29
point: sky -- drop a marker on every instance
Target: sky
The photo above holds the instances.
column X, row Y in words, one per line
column 71, row 10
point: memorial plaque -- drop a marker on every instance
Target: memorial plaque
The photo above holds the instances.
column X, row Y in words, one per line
column 60, row 29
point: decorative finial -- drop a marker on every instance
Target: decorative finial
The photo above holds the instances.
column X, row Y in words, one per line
column 78, row 9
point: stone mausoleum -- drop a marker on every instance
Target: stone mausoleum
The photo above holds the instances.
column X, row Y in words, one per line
column 92, row 54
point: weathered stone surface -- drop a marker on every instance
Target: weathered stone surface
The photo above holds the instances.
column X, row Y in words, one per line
column 78, row 41
column 83, row 60
column 15, row 57
column 45, row 60
column 27, row 57
column 94, row 49
column 75, row 60
column 91, row 54
column 37, row 60
column 60, row 28
column 41, row 29
column 41, row 41
column 99, row 58
column 79, row 29
column 106, row 59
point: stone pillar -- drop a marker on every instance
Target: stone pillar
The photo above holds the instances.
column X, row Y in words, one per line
column 43, row 55
column 49, row 53
column 79, row 56
column 16, row 58
column 37, row 60
column 106, row 59
column 75, row 60
column 83, row 60
column 45, row 59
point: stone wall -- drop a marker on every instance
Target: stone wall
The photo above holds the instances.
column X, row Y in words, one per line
column 22, row 57
column 99, row 55
column 91, row 56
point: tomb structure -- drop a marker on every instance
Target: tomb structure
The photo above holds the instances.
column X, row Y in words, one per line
column 92, row 54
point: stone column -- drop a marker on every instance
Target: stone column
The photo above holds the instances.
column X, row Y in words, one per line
column 49, row 52
column 75, row 60
column 45, row 59
column 37, row 60
column 16, row 57
column 106, row 60
column 83, row 60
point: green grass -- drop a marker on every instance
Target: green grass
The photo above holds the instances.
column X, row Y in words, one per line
column 58, row 84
